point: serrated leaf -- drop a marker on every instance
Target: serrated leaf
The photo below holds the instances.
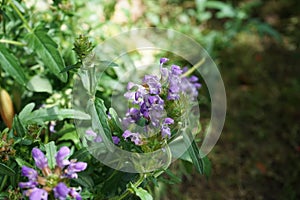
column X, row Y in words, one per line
column 39, row 84
column 11, row 65
column 50, row 149
column 142, row 193
column 5, row 170
column 41, row 43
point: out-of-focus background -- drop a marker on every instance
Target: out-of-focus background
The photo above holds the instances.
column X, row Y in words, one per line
column 256, row 46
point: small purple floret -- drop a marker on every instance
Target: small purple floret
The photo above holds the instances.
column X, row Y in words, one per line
column 40, row 159
column 61, row 155
column 61, row 191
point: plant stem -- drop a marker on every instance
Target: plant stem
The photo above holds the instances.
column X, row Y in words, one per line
column 25, row 23
column 190, row 71
column 136, row 184
column 12, row 42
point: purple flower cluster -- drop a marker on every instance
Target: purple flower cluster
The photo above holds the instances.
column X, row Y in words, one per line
column 38, row 187
column 148, row 103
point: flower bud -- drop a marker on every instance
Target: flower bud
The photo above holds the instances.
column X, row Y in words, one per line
column 6, row 108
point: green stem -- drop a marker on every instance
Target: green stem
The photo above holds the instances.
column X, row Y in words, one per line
column 136, row 184
column 190, row 71
column 12, row 42
column 3, row 182
column 25, row 23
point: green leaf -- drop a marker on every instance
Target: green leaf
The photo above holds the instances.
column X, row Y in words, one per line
column 5, row 170
column 50, row 149
column 85, row 181
column 102, row 117
column 40, row 42
column 72, row 135
column 39, row 84
column 82, row 155
column 193, row 151
column 114, row 121
column 48, row 114
column 22, row 162
column 11, row 65
column 19, row 127
column 26, row 111
column 142, row 193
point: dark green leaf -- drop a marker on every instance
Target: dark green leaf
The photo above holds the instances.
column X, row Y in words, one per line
column 68, row 68
column 50, row 149
column 11, row 65
column 46, row 49
column 193, row 151
column 5, row 170
column 85, row 181
column 19, row 127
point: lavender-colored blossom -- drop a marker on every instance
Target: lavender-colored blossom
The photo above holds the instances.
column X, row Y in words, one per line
column 153, row 83
column 73, row 193
column 168, row 121
column 134, row 137
column 40, row 159
column 156, row 113
column 74, row 167
column 61, row 191
column 176, row 70
column 38, row 194
column 165, row 131
column 30, row 173
column 29, row 184
column 134, row 114
column 163, row 60
column 60, row 157
column 115, row 139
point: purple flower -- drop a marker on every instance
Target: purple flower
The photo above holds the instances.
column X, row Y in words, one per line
column 134, row 137
column 39, row 157
column 29, row 184
column 163, row 60
column 153, row 84
column 60, row 157
column 115, row 139
column 61, row 191
column 74, row 167
column 168, row 121
column 30, row 173
column 134, row 114
column 38, row 194
column 165, row 131
column 73, row 193
column 176, row 70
